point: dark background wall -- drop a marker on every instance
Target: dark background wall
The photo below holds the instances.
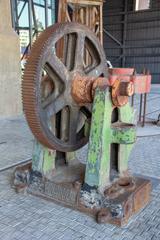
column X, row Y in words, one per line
column 132, row 39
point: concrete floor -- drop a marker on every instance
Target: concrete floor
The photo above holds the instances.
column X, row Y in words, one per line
column 16, row 141
column 29, row 218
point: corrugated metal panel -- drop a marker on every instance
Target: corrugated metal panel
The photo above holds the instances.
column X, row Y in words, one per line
column 142, row 38
column 155, row 4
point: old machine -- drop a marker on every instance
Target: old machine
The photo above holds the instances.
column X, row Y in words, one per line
column 70, row 100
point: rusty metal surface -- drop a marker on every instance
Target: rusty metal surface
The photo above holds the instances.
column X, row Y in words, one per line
column 126, row 197
column 142, row 196
column 142, row 82
column 116, row 205
column 121, row 91
column 43, row 61
column 142, row 85
column 103, row 216
column 83, row 89
column 121, row 71
column 126, row 89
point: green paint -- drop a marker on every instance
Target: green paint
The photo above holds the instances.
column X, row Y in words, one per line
column 98, row 164
column 103, row 134
column 123, row 135
column 124, row 153
column 70, row 156
column 126, row 114
column 48, row 161
column 37, row 157
column 43, row 159
column 87, row 128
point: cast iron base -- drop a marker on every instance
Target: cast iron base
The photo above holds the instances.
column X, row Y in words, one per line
column 123, row 198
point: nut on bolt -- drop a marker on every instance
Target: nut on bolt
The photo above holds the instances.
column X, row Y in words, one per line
column 126, row 89
column 121, row 91
column 104, row 215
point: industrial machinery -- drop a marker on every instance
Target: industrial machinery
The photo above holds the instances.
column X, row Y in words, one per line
column 72, row 100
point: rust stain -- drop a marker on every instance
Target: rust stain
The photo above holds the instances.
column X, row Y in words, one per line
column 81, row 89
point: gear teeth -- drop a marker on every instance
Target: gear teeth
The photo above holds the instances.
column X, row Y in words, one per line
column 29, row 86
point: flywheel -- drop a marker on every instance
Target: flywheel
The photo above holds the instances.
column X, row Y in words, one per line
column 60, row 52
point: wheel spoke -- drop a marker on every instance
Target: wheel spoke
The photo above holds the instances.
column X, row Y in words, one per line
column 49, row 100
column 79, row 54
column 69, row 51
column 64, row 124
column 55, row 106
column 53, row 76
column 73, row 122
column 57, row 67
column 81, row 121
column 52, row 125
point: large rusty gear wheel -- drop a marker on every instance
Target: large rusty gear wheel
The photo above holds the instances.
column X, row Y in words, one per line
column 52, row 113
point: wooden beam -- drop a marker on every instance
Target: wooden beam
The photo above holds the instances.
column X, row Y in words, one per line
column 83, row 2
column 87, row 12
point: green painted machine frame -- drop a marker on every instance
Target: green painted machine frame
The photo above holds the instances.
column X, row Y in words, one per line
column 44, row 159
column 103, row 134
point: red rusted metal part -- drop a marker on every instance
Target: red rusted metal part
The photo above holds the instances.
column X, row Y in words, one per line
column 142, row 85
column 99, row 82
column 121, row 91
column 123, row 81
column 104, row 216
column 132, row 194
column 142, row 196
column 121, row 71
column 83, row 89
column 123, row 74
column 142, row 82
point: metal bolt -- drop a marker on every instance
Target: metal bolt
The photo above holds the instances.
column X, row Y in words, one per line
column 103, row 216
column 126, row 89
